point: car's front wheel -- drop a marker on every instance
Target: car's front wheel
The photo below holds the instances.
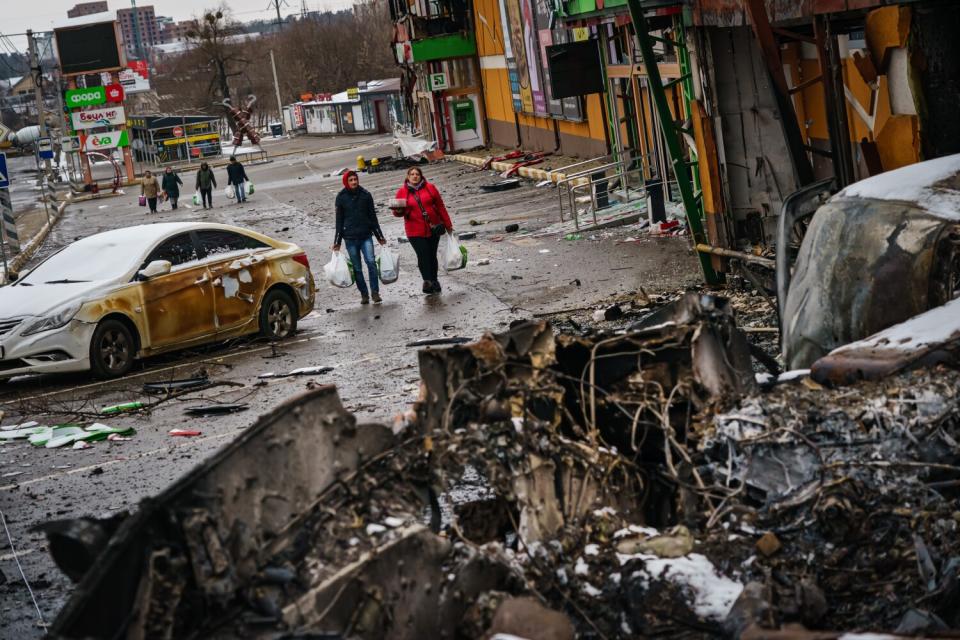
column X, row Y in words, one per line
column 112, row 349
column 278, row 316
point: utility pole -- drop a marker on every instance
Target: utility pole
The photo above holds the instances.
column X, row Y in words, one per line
column 276, row 86
column 276, row 5
column 37, row 71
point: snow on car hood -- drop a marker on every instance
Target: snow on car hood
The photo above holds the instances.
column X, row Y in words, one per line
column 927, row 183
column 41, row 299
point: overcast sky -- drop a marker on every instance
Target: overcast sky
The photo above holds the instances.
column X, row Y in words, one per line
column 40, row 15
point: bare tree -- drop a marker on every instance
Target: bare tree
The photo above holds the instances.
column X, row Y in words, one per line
column 214, row 40
column 325, row 53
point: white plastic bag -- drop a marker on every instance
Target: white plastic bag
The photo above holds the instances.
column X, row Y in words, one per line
column 248, row 188
column 338, row 272
column 453, row 255
column 229, row 192
column 196, row 199
column 389, row 263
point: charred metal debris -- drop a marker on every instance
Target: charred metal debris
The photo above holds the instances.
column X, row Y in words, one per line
column 604, row 485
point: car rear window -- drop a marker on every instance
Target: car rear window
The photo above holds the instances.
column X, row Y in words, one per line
column 216, row 241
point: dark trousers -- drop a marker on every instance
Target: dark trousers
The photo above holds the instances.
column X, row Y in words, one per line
column 152, row 202
column 426, row 250
column 207, row 196
column 173, row 201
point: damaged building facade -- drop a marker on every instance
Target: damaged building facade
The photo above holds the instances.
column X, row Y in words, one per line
column 737, row 105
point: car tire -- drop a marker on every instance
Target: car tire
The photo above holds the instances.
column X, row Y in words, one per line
column 278, row 315
column 112, row 349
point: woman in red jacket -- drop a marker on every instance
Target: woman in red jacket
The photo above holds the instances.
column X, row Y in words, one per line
column 426, row 220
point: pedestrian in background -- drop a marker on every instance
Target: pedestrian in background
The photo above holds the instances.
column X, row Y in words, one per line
column 206, row 183
column 237, row 176
column 171, row 186
column 357, row 224
column 150, row 188
column 426, row 220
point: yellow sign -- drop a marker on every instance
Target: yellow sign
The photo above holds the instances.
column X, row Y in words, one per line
column 353, row 93
column 580, row 34
column 209, row 136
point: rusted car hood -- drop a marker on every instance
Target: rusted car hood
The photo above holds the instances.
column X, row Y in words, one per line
column 39, row 299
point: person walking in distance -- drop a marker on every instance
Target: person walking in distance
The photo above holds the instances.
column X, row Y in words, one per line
column 206, row 183
column 426, row 220
column 357, row 224
column 150, row 188
column 236, row 176
column 171, row 186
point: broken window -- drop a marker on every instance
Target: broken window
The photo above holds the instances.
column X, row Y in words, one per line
column 177, row 250
column 214, row 242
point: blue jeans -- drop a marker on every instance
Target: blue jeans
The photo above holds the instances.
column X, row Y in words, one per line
column 354, row 249
column 241, row 193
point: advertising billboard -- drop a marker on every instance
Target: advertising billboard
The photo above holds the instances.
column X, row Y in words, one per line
column 93, row 118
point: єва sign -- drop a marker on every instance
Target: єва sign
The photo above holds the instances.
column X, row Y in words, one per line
column 103, row 141
column 86, row 97
column 97, row 118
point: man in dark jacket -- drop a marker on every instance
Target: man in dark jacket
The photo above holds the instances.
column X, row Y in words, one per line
column 357, row 224
column 237, row 176
column 206, row 183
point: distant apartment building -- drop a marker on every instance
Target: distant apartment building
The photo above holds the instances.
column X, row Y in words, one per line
column 145, row 25
column 177, row 31
column 87, row 8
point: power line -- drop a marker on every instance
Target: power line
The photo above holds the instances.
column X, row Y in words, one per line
column 276, row 5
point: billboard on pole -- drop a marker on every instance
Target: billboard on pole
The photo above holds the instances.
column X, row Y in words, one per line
column 136, row 77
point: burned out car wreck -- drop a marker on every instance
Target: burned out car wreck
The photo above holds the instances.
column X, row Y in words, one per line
column 879, row 253
column 591, row 484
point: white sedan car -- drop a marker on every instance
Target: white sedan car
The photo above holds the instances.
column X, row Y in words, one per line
column 105, row 300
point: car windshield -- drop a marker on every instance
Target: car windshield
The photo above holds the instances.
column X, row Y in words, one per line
column 89, row 260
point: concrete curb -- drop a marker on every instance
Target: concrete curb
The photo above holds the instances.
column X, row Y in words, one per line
column 531, row 173
column 27, row 252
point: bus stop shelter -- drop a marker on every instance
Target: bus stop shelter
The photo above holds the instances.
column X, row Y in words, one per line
column 169, row 139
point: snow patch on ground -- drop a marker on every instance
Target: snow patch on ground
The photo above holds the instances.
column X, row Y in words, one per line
column 713, row 593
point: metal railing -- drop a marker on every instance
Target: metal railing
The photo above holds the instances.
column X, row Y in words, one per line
column 622, row 187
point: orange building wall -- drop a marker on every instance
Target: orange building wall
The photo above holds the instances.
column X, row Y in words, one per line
column 496, row 86
column 897, row 136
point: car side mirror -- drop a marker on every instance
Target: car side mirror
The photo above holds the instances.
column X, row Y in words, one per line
column 154, row 269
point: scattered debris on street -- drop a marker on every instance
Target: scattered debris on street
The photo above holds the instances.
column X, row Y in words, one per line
column 622, row 483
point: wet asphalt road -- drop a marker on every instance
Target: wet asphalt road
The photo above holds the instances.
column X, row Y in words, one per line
column 376, row 374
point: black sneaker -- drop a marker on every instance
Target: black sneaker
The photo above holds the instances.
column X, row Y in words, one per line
column 436, row 286
column 364, row 300
column 427, row 286
column 376, row 298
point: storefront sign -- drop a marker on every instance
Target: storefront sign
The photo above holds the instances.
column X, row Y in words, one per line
column 353, row 93
column 105, row 141
column 114, row 93
column 97, row 118
column 438, row 81
column 88, row 97
column 192, row 139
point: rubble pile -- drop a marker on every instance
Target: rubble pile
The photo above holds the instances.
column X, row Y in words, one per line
column 634, row 482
